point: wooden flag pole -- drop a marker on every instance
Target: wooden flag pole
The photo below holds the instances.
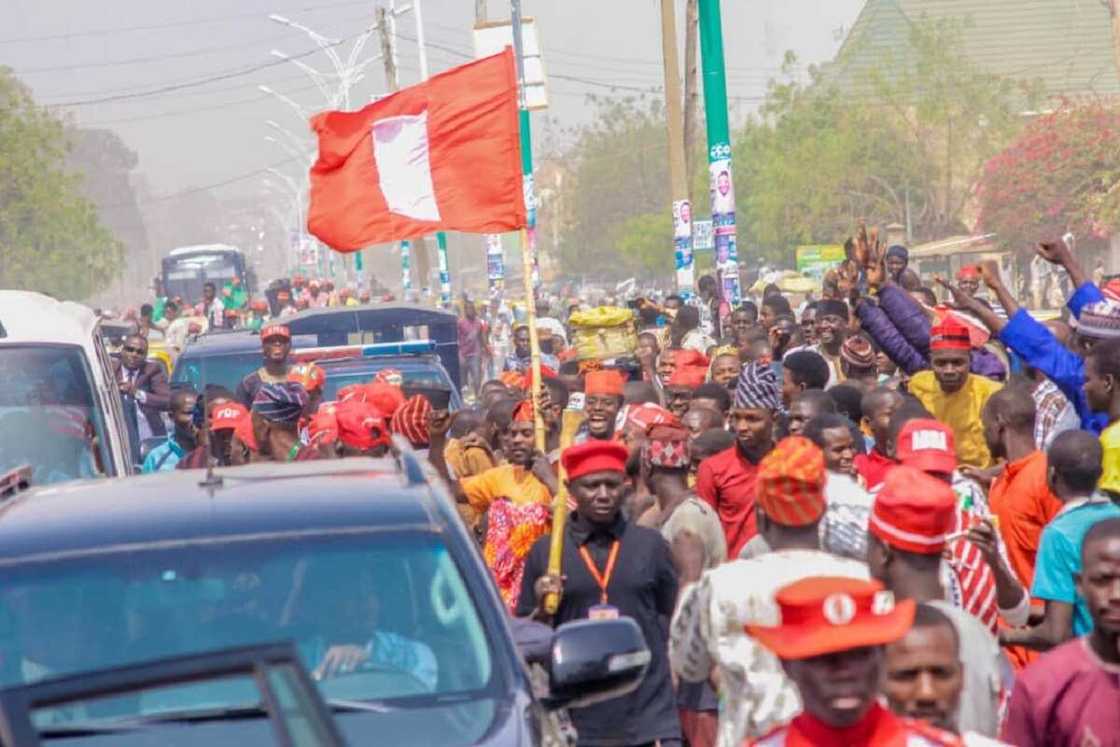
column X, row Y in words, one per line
column 570, row 424
column 534, row 341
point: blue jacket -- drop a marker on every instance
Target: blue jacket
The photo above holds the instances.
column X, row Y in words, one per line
column 1037, row 346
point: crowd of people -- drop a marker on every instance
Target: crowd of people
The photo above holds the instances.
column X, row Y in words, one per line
column 875, row 518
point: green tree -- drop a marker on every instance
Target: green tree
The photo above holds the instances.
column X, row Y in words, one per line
column 50, row 236
column 619, row 179
column 908, row 139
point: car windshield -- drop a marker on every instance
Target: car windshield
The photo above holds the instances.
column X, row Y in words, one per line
column 48, row 417
column 225, row 370
column 377, row 617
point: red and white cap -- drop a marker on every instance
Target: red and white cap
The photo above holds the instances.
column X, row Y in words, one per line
column 913, row 512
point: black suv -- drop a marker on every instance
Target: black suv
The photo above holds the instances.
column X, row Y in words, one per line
column 362, row 564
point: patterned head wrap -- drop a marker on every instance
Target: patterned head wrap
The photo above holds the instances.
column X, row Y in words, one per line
column 666, row 447
column 790, row 486
column 758, row 388
column 280, row 403
column 1100, row 320
column 411, row 420
column 857, row 351
column 312, row 377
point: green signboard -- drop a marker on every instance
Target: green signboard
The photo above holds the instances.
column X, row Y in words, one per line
column 813, row 261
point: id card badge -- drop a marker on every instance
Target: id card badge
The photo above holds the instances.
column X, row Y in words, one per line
column 603, row 612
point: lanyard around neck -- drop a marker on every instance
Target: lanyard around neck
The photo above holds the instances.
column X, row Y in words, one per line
column 604, row 578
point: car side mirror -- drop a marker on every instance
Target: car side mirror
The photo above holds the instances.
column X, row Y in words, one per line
column 595, row 660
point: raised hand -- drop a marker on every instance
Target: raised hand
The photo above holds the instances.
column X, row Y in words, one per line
column 989, row 271
column 1054, row 251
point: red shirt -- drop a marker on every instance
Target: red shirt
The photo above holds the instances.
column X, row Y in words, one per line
column 726, row 481
column 873, row 466
column 879, row 728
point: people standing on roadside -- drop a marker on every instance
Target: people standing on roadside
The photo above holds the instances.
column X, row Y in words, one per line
column 474, row 347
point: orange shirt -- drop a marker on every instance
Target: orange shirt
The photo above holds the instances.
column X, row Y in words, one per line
column 1024, row 505
column 516, row 484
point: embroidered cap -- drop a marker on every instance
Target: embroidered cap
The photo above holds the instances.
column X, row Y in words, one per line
column 950, row 334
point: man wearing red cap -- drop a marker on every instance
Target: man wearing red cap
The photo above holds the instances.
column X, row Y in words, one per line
column 680, row 387
column 610, row 568
column 707, row 635
column 603, row 398
column 909, row 527
column 982, row 582
column 276, row 344
column 968, row 279
column 830, row 636
column 952, row 394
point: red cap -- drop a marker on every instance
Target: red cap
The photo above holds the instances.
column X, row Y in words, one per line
column 312, row 377
column 690, row 358
column 227, row 415
column 913, row 512
column 606, row 381
column 276, row 330
column 594, row 455
column 360, row 425
column 523, row 413
column 323, row 426
column 825, row 615
column 687, row 377
column 385, row 397
column 258, row 304
column 927, row 445
column 968, row 272
column 351, row 391
column 950, row 334
column 790, row 483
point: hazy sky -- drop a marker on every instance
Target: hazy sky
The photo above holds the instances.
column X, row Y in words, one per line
column 76, row 53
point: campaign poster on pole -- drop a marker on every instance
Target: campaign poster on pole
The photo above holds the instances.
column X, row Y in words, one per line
column 406, row 267
column 723, row 225
column 682, row 244
column 495, row 262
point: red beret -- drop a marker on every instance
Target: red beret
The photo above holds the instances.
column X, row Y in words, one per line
column 913, row 512
column 594, row 455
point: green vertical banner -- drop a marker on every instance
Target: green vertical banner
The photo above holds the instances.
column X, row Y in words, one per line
column 358, row 261
column 719, row 150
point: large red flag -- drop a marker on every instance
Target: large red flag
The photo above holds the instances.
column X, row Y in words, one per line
column 441, row 155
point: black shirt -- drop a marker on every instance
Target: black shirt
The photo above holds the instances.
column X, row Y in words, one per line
column 643, row 587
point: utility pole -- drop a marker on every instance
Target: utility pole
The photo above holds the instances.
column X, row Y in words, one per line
column 678, row 181
column 691, row 89
column 719, row 151
column 389, row 59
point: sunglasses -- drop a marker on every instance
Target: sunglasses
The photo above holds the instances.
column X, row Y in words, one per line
column 130, row 349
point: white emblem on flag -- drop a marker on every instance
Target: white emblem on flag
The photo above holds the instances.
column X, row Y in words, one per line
column 404, row 173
